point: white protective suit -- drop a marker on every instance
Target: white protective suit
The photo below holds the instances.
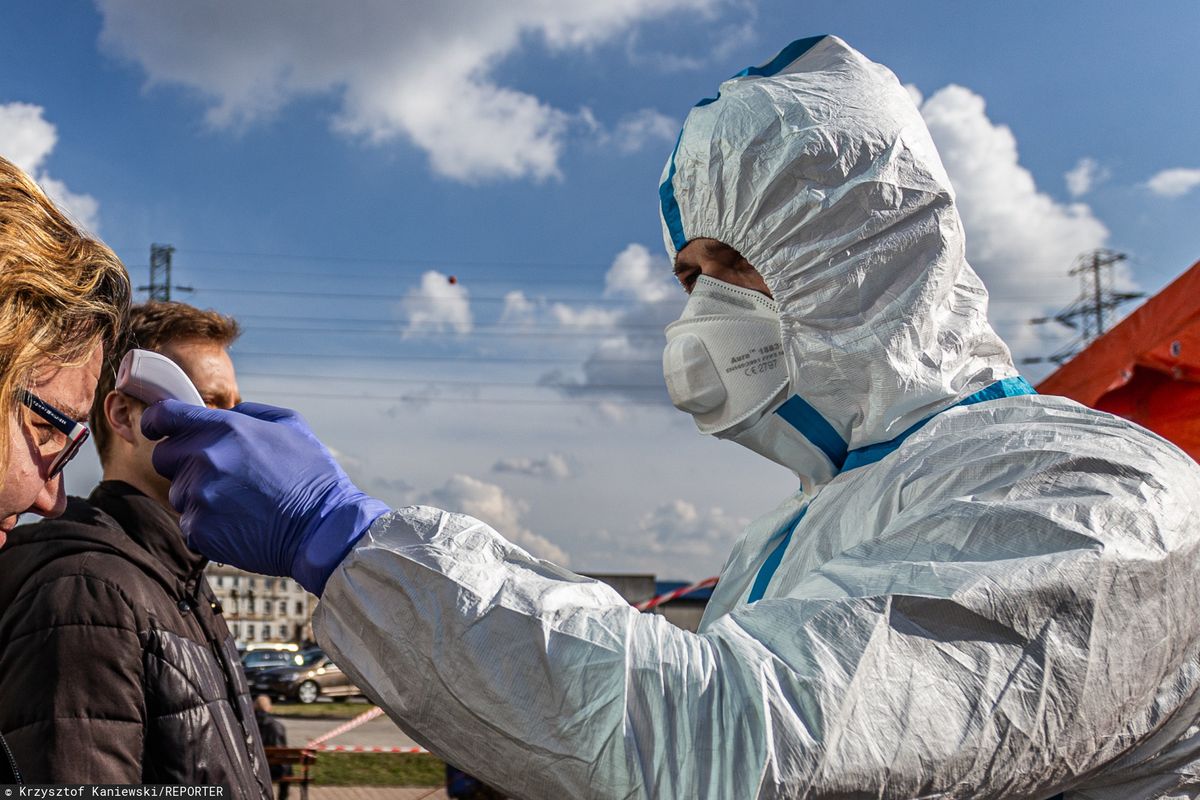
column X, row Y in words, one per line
column 996, row 595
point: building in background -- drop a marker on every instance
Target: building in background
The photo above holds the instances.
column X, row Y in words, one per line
column 259, row 608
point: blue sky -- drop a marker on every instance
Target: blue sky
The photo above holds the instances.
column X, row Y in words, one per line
column 322, row 168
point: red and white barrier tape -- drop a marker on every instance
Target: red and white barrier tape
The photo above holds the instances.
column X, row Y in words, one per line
column 349, row 725
column 358, row 748
column 654, row 602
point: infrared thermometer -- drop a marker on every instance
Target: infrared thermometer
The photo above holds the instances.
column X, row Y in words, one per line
column 151, row 377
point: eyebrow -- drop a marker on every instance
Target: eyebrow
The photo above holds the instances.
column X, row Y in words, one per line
column 75, row 414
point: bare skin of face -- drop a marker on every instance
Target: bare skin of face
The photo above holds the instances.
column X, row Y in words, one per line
column 34, row 442
column 716, row 260
column 129, row 455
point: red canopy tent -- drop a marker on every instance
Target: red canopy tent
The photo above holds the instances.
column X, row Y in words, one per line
column 1147, row 368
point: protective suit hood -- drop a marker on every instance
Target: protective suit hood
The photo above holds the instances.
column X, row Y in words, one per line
column 818, row 168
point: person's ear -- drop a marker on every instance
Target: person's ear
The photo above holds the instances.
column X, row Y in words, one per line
column 119, row 411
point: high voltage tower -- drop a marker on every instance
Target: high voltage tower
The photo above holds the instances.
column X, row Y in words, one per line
column 1092, row 312
column 160, row 274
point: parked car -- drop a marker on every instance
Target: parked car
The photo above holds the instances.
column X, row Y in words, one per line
column 256, row 660
column 314, row 677
column 290, row 647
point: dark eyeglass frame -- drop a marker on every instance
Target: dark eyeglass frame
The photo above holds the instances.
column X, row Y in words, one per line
column 77, row 433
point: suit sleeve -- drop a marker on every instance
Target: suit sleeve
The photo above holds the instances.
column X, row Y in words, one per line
column 73, row 707
column 536, row 680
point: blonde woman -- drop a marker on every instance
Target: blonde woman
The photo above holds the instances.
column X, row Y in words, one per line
column 63, row 300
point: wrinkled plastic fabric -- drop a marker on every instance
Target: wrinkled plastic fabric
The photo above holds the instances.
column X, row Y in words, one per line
column 1003, row 606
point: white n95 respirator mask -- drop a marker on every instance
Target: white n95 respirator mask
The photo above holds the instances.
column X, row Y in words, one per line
column 724, row 365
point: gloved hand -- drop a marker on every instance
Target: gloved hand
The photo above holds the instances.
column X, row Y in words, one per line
column 257, row 490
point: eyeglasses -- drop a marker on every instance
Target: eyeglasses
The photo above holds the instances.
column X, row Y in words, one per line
column 77, row 433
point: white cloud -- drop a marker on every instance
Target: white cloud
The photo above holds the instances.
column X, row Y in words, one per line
column 588, row 317
column 526, row 312
column 82, row 208
column 1174, row 182
column 914, row 94
column 1085, row 176
column 26, row 135
column 518, row 310
column 27, row 139
column 418, row 71
column 679, row 524
column 627, row 364
column 633, row 131
column 435, row 306
column 488, row 503
column 1020, row 240
column 678, row 534
column 637, row 275
column 553, row 466
column 642, row 128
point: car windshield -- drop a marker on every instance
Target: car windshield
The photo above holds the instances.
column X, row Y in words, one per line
column 262, row 658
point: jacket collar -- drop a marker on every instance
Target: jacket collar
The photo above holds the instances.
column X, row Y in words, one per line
column 150, row 525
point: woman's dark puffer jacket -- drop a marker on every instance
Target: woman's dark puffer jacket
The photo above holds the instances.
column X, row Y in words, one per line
column 116, row 665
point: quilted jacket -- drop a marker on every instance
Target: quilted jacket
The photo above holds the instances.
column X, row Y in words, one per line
column 116, row 665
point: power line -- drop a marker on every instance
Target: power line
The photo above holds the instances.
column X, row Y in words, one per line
column 395, row 321
column 369, row 276
column 474, row 298
column 386, row 260
column 492, row 332
column 1093, row 310
column 420, row 357
column 471, row 297
column 499, row 326
column 474, row 400
column 418, row 262
column 446, row 382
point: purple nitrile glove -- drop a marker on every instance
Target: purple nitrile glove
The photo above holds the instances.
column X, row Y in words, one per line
column 257, row 490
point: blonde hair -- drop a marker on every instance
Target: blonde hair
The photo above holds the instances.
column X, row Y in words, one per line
column 62, row 292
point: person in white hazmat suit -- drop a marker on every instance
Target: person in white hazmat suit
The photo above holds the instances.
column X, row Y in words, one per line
column 979, row 592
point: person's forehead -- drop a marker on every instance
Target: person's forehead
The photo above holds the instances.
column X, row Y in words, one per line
column 193, row 348
column 69, row 389
column 699, row 250
column 198, row 354
column 206, row 363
